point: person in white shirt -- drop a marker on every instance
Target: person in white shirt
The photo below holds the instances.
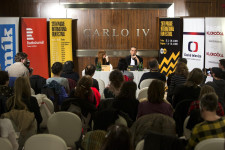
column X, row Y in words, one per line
column 133, row 58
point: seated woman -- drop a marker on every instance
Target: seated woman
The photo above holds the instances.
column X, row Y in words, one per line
column 5, row 90
column 102, row 58
column 126, row 100
column 7, row 131
column 122, row 66
column 116, row 80
column 22, row 99
column 68, row 71
column 57, row 68
column 156, row 102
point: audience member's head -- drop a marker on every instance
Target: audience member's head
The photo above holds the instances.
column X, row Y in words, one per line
column 181, row 69
column 21, row 57
column 222, row 64
column 68, row 67
column 4, row 78
column 22, row 89
column 206, row 89
column 217, row 73
column 183, row 60
column 128, row 91
column 122, row 64
column 83, row 89
column 117, row 138
column 209, row 102
column 116, row 79
column 156, row 91
column 90, row 70
column 195, row 77
column 57, row 68
column 153, row 64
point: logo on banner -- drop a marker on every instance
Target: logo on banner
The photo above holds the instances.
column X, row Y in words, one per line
column 30, row 39
column 214, row 33
column 193, row 46
column 214, row 54
column 163, row 51
column 7, row 34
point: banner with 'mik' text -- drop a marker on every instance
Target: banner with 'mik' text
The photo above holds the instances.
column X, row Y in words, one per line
column 215, row 41
column 9, row 41
column 34, row 44
column 60, row 40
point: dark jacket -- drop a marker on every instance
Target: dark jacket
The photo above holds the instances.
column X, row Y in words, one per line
column 103, row 61
column 37, row 82
column 128, row 58
column 72, row 75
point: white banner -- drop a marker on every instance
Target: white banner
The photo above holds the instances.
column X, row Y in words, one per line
column 8, row 40
column 215, row 41
column 193, row 42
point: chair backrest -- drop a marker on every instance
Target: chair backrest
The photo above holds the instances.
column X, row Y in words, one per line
column 67, row 125
column 143, row 93
column 140, row 145
column 209, row 144
column 101, row 85
column 187, row 132
column 45, row 142
column 146, row 83
column 46, row 109
column 5, row 144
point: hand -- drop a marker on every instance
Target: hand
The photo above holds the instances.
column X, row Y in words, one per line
column 134, row 57
column 107, row 58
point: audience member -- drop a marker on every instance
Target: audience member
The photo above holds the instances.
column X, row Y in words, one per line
column 178, row 78
column 133, row 58
column 155, row 103
column 116, row 80
column 7, row 131
column 122, row 66
column 37, row 82
column 22, row 99
column 212, row 127
column 19, row 68
column 154, row 72
column 68, row 71
column 117, row 138
column 102, row 58
column 90, row 70
column 190, row 89
column 5, row 90
column 57, row 68
column 218, row 84
column 183, row 60
column 222, row 64
column 126, row 100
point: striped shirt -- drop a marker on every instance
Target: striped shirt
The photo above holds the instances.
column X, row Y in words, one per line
column 206, row 130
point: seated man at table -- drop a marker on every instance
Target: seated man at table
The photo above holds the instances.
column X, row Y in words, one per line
column 133, row 59
column 154, row 72
column 90, row 70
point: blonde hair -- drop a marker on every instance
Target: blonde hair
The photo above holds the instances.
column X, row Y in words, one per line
column 21, row 89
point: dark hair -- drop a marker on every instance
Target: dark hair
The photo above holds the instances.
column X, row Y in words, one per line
column 195, row 78
column 209, row 102
column 122, row 64
column 90, row 70
column 117, row 138
column 68, row 67
column 181, row 69
column 153, row 64
column 128, row 91
column 116, row 78
column 217, row 72
column 183, row 60
column 156, row 91
column 57, row 68
column 222, row 62
column 83, row 88
column 19, row 56
column 4, row 77
column 133, row 47
column 206, row 89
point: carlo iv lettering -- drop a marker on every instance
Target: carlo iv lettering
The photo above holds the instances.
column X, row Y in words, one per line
column 114, row 32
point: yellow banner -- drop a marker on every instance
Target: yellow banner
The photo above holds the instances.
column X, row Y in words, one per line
column 60, row 40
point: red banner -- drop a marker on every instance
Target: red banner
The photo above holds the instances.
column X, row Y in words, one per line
column 34, row 44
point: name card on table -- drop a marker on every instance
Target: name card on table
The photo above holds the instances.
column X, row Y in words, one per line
column 105, row 67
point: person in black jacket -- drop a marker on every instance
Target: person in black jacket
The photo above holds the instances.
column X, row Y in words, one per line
column 102, row 58
column 133, row 58
column 68, row 71
column 90, row 70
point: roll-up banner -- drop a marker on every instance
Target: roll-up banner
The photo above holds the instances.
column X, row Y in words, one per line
column 215, row 41
column 169, row 44
column 193, row 42
column 34, row 44
column 9, row 41
column 60, row 40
